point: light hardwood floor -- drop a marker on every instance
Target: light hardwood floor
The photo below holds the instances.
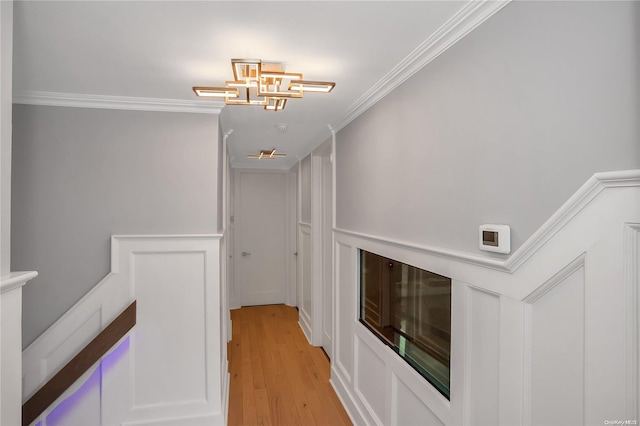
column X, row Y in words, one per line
column 277, row 378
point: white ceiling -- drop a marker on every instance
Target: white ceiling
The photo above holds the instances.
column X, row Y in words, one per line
column 151, row 49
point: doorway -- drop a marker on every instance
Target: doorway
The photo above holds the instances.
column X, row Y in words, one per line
column 260, row 237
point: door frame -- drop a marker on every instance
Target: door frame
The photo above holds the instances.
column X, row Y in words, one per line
column 291, row 246
column 321, row 154
column 237, row 291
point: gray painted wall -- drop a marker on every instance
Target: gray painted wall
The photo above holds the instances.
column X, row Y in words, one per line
column 6, row 72
column 502, row 128
column 81, row 175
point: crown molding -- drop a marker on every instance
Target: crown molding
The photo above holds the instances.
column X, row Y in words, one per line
column 116, row 102
column 466, row 20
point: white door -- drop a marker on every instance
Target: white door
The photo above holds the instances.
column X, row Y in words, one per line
column 327, row 270
column 260, row 270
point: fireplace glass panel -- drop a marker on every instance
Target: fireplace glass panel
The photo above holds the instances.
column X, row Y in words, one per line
column 409, row 309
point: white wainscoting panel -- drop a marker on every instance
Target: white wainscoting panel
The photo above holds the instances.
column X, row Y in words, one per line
column 605, row 328
column 345, row 309
column 632, row 283
column 427, row 396
column 555, row 355
column 179, row 375
column 482, row 357
column 169, row 368
column 305, row 268
column 370, row 380
column 548, row 336
column 407, row 406
column 512, row 360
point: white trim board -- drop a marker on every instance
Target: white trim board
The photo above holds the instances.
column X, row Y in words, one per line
column 77, row 100
column 587, row 193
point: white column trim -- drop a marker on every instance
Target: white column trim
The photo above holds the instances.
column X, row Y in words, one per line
column 316, row 250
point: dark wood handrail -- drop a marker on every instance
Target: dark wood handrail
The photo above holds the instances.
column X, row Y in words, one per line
column 75, row 368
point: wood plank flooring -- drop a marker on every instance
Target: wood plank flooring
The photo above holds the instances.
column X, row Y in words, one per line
column 277, row 378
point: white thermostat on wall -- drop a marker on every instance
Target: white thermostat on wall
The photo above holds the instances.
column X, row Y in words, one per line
column 495, row 238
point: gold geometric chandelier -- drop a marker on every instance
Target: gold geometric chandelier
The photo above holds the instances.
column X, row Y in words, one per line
column 263, row 83
column 266, row 154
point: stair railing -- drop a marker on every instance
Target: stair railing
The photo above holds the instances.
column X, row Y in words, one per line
column 76, row 367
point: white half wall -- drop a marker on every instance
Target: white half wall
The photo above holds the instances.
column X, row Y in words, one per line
column 171, row 367
column 551, row 338
column 305, row 279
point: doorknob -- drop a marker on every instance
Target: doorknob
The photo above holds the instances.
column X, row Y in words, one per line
column 246, row 253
